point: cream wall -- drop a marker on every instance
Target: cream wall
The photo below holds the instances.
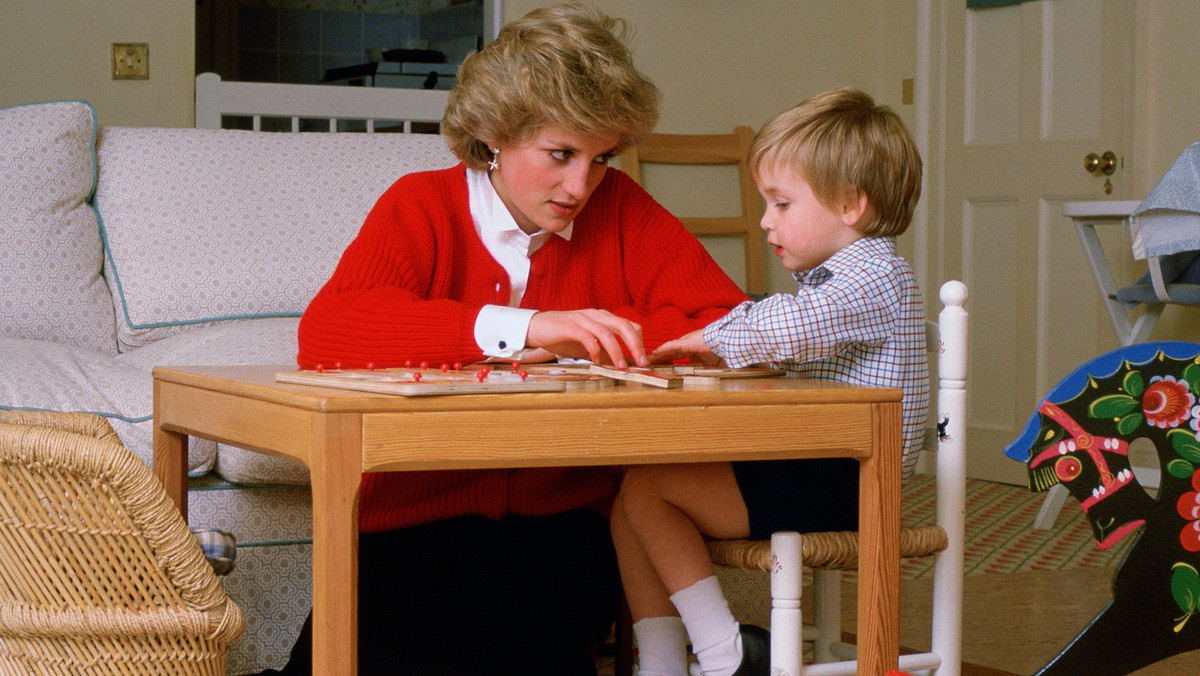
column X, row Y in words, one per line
column 1166, row 113
column 721, row 64
column 1166, row 85
column 718, row 64
column 61, row 49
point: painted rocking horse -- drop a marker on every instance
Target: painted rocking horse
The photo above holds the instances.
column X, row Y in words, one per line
column 1079, row 437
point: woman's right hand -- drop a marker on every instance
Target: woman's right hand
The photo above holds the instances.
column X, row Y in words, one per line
column 587, row 334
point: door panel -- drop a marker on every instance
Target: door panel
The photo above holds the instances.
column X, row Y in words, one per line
column 1029, row 90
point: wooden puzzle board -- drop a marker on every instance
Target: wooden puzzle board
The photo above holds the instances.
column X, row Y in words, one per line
column 678, row 376
column 418, row 382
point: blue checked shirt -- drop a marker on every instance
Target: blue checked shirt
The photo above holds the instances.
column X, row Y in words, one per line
column 857, row 318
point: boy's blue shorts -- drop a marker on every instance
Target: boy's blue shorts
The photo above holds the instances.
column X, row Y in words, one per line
column 810, row 495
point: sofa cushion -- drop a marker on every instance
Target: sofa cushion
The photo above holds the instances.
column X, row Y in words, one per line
column 257, row 341
column 41, row 375
column 247, row 467
column 50, row 259
column 204, row 225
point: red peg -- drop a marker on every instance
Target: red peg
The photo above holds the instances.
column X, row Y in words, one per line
column 457, row 366
column 407, row 363
column 445, row 367
column 337, row 365
column 516, row 365
column 523, row 374
column 319, row 368
column 424, row 364
column 480, row 375
column 370, row 366
column 417, row 377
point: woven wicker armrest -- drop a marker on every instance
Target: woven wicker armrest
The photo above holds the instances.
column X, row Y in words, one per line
column 98, row 571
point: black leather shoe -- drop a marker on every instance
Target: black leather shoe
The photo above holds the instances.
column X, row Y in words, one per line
column 756, row 651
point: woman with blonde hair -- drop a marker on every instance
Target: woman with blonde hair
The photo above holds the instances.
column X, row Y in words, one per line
column 531, row 249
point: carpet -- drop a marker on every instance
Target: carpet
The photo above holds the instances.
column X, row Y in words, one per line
column 1000, row 537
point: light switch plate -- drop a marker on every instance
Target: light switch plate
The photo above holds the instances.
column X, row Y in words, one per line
column 131, row 61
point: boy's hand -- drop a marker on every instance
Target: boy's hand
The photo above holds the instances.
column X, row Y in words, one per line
column 688, row 345
column 587, row 334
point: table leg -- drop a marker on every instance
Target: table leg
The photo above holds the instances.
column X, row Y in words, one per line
column 879, row 546
column 336, row 470
column 170, row 459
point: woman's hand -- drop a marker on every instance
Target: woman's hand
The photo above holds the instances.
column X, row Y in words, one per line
column 587, row 334
column 688, row 345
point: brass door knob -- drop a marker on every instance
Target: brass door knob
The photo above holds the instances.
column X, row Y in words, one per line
column 1104, row 164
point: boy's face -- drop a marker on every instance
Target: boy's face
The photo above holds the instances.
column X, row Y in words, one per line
column 803, row 231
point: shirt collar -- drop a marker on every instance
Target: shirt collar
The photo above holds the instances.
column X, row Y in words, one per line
column 847, row 257
column 489, row 212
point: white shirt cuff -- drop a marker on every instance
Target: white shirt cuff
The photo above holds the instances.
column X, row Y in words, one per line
column 500, row 331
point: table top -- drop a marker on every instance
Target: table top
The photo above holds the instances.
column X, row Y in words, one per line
column 768, row 417
column 258, row 382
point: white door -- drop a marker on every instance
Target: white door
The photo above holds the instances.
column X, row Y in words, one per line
column 1027, row 90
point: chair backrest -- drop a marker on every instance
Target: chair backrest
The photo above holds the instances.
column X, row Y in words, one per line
column 711, row 149
column 328, row 107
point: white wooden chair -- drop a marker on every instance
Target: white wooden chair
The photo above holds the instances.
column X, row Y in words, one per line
column 711, row 149
column 332, row 105
column 785, row 555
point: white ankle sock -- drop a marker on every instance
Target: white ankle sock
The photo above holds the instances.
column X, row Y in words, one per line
column 711, row 626
column 662, row 646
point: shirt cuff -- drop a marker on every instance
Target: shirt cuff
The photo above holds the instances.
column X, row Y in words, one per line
column 500, row 331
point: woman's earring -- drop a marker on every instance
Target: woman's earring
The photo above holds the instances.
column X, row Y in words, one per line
column 495, row 163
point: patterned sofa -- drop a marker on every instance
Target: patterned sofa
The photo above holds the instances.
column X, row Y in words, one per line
column 126, row 248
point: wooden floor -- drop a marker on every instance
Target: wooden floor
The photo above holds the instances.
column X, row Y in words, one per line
column 1016, row 623
column 1013, row 624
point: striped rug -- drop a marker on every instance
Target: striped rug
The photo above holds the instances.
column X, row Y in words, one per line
column 1000, row 537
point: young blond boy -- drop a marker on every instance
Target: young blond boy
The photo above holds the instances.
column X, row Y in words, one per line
column 841, row 177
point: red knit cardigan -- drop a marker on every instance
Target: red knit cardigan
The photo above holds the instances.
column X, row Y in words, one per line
column 412, row 282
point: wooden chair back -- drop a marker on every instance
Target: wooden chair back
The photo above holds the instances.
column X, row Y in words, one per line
column 711, row 149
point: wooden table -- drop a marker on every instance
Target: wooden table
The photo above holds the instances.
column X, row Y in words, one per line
column 340, row 434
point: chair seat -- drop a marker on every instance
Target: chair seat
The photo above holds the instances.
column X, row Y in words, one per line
column 825, row 551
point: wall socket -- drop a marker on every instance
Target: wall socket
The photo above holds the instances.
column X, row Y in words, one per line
column 131, row 61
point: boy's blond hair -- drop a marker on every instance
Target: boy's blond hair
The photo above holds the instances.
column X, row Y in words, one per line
column 567, row 66
column 841, row 142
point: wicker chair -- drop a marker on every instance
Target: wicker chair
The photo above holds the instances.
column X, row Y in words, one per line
column 98, row 572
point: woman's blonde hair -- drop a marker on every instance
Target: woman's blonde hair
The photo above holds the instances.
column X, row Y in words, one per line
column 566, row 65
column 841, row 142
